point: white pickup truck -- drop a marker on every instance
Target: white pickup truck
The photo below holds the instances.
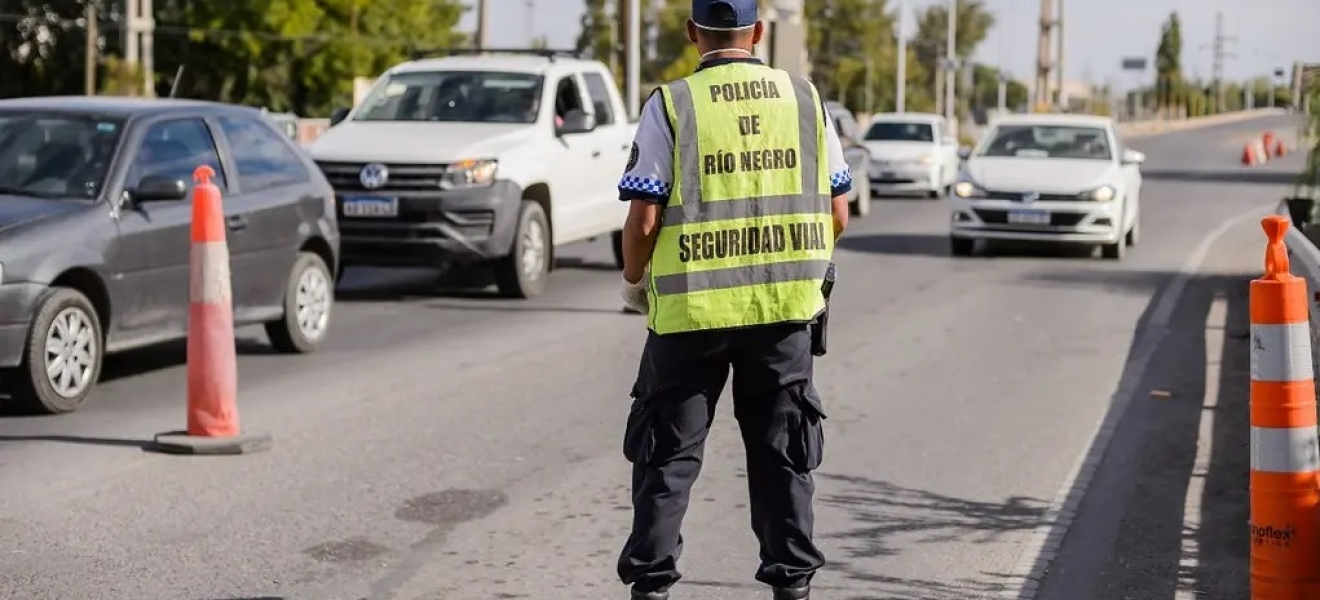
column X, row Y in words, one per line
column 497, row 157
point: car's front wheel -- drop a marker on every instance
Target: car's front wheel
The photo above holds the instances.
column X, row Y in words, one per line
column 522, row 274
column 63, row 355
column 308, row 300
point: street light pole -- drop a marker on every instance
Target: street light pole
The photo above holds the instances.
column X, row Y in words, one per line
column 900, row 97
column 951, row 69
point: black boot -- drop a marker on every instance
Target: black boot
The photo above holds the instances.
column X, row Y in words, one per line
column 640, row 595
column 797, row 593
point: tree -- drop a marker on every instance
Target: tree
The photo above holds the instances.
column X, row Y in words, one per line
column 930, row 41
column 852, row 50
column 1168, row 63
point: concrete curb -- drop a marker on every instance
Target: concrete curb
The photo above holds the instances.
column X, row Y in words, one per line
column 1145, row 128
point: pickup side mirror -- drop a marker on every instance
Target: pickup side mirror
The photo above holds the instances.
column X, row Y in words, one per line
column 338, row 115
column 153, row 188
column 964, row 152
column 1133, row 157
column 576, row 121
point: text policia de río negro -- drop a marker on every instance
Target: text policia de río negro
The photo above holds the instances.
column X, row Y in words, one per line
column 722, row 162
column 742, row 241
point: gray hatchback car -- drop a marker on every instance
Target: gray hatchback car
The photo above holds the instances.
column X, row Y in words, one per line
column 95, row 233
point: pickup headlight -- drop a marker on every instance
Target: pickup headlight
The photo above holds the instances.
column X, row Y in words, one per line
column 469, row 174
column 924, row 159
column 967, row 189
column 1101, row 194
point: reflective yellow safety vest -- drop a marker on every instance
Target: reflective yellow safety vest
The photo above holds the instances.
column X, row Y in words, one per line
column 748, row 233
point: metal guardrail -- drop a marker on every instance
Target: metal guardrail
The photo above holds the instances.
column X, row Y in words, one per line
column 1304, row 259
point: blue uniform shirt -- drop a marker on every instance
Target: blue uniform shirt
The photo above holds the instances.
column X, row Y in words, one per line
column 650, row 172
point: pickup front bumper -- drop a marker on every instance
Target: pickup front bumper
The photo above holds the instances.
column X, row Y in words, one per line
column 431, row 227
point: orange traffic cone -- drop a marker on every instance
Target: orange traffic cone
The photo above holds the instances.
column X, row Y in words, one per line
column 1267, row 139
column 212, row 361
column 1285, row 457
column 1249, row 154
column 1279, row 149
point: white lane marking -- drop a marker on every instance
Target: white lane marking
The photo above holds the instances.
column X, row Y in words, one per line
column 1189, row 562
column 1042, row 546
column 1281, row 352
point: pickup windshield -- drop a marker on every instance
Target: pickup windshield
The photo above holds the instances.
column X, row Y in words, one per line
column 1048, row 141
column 454, row 96
column 56, row 155
column 898, row 131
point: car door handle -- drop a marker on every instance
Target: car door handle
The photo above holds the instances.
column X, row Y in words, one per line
column 595, row 154
column 625, row 147
column 236, row 222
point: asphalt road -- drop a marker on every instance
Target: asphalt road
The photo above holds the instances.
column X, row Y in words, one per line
column 452, row 446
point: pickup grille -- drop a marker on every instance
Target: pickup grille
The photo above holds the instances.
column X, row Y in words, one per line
column 344, row 177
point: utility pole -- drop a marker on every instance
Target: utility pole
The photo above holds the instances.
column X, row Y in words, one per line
column 1219, row 47
column 93, row 40
column 900, row 72
column 634, row 42
column 951, row 70
column 1044, row 64
column 1002, row 104
column 1059, row 101
column 483, row 25
column 139, row 49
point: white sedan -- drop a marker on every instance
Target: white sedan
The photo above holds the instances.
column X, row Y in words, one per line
column 1048, row 177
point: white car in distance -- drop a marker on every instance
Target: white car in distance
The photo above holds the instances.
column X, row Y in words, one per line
column 1049, row 178
column 911, row 153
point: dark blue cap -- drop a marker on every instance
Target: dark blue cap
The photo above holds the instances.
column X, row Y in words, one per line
column 724, row 14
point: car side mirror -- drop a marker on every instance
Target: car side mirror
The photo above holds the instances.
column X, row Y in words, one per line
column 1133, row 157
column 153, row 188
column 338, row 115
column 964, row 152
column 576, row 121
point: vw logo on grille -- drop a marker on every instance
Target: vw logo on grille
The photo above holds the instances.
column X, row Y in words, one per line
column 374, row 176
column 1031, row 197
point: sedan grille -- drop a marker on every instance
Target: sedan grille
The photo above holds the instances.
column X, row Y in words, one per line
column 991, row 216
column 1017, row 197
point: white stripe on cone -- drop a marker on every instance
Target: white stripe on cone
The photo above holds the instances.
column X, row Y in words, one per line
column 210, row 267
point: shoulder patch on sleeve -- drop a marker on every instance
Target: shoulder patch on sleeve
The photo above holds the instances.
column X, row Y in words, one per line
column 632, row 158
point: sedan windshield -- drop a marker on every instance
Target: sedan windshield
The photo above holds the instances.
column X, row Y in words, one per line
column 56, row 155
column 898, row 131
column 1048, row 141
column 454, row 96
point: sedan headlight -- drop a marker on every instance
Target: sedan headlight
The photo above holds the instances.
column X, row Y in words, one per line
column 469, row 174
column 1101, row 194
column 967, row 189
column 924, row 159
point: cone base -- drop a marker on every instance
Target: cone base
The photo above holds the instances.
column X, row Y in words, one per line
column 179, row 442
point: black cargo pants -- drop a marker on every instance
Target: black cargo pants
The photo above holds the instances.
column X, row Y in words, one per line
column 779, row 413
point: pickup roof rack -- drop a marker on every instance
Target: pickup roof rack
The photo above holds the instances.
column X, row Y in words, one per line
column 548, row 54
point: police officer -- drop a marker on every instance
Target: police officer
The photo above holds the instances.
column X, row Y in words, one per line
column 737, row 185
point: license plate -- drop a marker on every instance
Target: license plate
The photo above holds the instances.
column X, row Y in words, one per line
column 1029, row 217
column 371, row 207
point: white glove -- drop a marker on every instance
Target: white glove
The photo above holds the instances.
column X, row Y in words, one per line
column 634, row 295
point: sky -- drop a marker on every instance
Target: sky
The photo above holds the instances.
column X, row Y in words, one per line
column 1098, row 33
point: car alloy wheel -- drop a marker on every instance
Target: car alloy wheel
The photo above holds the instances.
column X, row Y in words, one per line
column 312, row 302
column 71, row 352
column 533, row 251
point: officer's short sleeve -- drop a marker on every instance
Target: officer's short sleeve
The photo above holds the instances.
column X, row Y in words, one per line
column 649, row 175
column 841, row 181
